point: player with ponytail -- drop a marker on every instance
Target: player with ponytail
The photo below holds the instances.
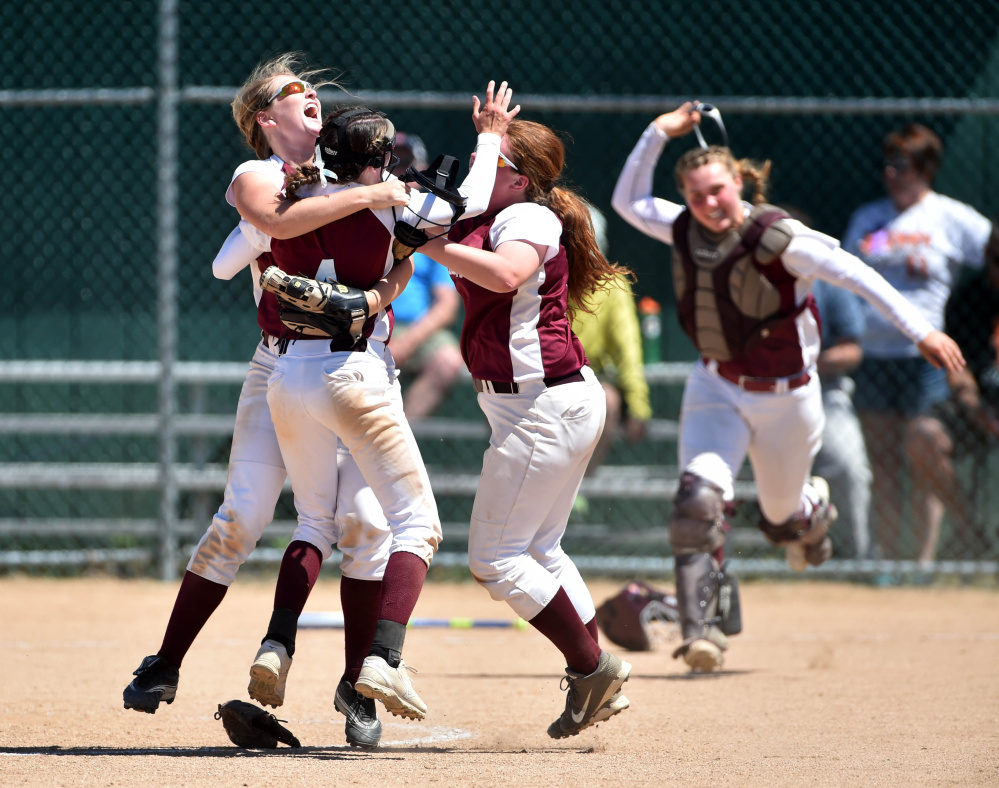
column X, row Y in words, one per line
column 517, row 267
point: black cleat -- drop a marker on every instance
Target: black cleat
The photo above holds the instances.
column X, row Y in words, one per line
column 363, row 728
column 155, row 680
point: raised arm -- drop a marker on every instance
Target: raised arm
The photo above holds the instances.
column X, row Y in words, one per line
column 491, row 119
column 632, row 197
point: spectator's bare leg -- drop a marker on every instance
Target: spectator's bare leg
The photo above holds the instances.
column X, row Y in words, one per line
column 935, row 486
column 884, row 432
column 426, row 393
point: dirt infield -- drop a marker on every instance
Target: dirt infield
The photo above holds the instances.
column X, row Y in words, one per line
column 829, row 685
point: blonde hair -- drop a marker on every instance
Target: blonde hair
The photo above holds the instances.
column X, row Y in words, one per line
column 539, row 154
column 755, row 172
column 252, row 97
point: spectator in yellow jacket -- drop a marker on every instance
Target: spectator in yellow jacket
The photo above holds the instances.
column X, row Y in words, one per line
column 612, row 340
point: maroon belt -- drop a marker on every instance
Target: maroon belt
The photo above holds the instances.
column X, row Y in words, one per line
column 506, row 387
column 767, row 385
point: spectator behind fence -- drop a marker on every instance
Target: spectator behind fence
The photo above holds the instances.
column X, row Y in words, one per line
column 423, row 345
column 612, row 339
column 918, row 240
column 968, row 422
column 843, row 460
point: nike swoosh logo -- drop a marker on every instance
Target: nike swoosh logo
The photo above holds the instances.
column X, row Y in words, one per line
column 582, row 711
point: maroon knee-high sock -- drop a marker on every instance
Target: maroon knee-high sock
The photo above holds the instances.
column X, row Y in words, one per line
column 559, row 622
column 591, row 627
column 404, row 576
column 299, row 572
column 401, row 586
column 359, row 600
column 196, row 600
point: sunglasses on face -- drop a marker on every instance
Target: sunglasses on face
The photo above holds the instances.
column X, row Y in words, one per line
column 502, row 161
column 295, row 86
column 898, row 162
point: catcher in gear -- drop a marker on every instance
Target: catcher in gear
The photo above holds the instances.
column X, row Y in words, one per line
column 251, row 727
column 743, row 275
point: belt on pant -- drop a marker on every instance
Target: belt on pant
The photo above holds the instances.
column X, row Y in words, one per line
column 767, row 385
column 506, row 387
column 337, row 344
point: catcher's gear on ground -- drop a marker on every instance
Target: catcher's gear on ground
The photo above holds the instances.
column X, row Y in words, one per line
column 631, row 617
column 334, row 309
column 251, row 727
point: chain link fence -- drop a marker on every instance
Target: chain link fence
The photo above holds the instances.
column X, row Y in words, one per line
column 120, row 145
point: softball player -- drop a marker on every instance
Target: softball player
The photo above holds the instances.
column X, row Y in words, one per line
column 256, row 469
column 516, row 268
column 743, row 278
column 322, row 391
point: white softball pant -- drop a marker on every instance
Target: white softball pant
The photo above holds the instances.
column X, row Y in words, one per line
column 256, row 477
column 542, row 439
column 720, row 424
column 316, row 397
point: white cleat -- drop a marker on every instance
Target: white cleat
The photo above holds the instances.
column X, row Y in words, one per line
column 269, row 674
column 391, row 686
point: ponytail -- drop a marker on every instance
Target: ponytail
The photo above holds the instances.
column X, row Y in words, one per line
column 539, row 154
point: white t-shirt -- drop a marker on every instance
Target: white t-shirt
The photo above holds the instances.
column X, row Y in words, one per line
column 919, row 252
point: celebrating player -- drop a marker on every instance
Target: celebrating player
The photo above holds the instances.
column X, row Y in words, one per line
column 323, row 391
column 742, row 277
column 279, row 115
column 516, row 268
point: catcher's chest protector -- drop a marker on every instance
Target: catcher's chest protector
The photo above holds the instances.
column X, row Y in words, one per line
column 728, row 286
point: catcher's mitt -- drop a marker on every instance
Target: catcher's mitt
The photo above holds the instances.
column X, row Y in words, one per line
column 635, row 617
column 306, row 304
column 251, row 727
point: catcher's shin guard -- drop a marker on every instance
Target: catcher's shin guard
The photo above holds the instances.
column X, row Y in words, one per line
column 697, row 587
column 697, row 522
column 805, row 537
column 729, row 607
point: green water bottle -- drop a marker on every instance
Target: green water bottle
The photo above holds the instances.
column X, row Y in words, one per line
column 652, row 330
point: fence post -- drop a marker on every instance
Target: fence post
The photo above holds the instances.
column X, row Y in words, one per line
column 166, row 243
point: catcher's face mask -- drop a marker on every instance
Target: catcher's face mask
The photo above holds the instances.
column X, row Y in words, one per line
column 709, row 111
column 439, row 180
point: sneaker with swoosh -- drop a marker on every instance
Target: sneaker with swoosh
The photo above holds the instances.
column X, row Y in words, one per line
column 592, row 699
column 363, row 728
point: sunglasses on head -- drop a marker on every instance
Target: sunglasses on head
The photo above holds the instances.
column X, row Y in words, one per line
column 290, row 88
